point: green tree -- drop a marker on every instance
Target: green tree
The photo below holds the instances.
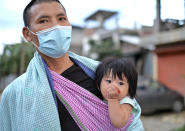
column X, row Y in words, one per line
column 10, row 59
column 104, row 49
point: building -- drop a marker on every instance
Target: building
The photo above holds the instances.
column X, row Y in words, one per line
column 77, row 38
column 127, row 40
column 168, row 57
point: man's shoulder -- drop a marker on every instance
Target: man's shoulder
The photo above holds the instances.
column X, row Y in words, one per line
column 18, row 81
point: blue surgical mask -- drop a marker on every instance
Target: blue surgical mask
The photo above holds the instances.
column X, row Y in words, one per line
column 55, row 41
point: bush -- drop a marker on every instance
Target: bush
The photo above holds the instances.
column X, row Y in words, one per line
column 180, row 129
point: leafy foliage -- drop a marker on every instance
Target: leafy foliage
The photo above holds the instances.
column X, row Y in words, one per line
column 11, row 57
column 180, row 129
column 104, row 49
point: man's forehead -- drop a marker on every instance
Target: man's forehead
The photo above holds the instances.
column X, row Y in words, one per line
column 47, row 8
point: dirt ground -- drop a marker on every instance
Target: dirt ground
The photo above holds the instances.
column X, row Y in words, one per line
column 163, row 121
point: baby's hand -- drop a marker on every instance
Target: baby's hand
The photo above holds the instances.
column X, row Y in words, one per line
column 112, row 92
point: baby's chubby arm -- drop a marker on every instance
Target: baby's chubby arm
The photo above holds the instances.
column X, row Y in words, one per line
column 119, row 113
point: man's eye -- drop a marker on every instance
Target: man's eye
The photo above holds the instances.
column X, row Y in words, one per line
column 43, row 21
column 121, row 83
column 61, row 19
column 108, row 81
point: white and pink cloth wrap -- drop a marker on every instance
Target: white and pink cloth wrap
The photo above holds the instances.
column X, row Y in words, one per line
column 89, row 112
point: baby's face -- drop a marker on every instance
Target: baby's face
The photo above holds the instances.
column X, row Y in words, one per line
column 114, row 88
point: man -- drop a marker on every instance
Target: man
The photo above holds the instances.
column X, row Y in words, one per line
column 30, row 101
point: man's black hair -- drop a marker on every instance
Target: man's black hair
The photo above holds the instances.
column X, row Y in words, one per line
column 27, row 14
column 118, row 67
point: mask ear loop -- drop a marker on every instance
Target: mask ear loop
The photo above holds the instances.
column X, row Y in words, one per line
column 34, row 44
column 34, row 34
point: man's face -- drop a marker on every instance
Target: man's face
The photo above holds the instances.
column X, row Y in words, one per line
column 46, row 15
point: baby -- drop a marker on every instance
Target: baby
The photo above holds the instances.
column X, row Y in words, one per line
column 117, row 80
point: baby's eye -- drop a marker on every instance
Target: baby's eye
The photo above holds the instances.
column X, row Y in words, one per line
column 108, row 81
column 121, row 83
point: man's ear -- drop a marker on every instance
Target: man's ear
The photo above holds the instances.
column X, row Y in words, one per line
column 26, row 34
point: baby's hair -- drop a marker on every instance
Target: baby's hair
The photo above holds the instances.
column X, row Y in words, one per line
column 118, row 67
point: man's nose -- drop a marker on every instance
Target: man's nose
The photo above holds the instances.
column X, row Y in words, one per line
column 55, row 22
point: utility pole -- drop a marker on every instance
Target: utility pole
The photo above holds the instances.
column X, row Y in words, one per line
column 22, row 56
column 184, row 9
column 157, row 25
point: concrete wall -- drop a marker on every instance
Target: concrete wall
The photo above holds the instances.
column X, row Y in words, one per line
column 76, row 42
column 148, row 65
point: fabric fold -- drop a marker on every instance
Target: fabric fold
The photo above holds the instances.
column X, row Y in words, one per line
column 88, row 111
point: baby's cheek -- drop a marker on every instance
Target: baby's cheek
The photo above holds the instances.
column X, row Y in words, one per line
column 104, row 93
column 122, row 95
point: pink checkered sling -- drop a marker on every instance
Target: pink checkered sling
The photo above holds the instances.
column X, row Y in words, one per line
column 89, row 112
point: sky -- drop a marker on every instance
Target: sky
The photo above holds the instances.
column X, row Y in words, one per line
column 132, row 13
